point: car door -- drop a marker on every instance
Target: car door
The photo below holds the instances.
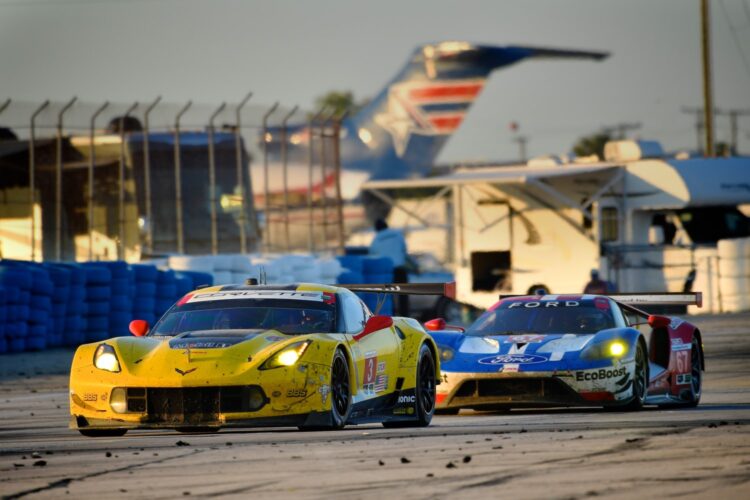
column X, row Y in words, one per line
column 376, row 355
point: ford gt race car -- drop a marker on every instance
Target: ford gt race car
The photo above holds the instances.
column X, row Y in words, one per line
column 571, row 350
column 304, row 355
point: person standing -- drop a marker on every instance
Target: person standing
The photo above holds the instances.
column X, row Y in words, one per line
column 391, row 243
column 596, row 286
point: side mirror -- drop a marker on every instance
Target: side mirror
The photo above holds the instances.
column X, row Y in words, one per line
column 435, row 325
column 655, row 321
column 376, row 323
column 139, row 327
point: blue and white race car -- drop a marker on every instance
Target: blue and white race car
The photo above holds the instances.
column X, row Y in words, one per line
column 571, row 350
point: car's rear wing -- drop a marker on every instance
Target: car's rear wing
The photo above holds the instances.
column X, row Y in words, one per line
column 648, row 298
column 445, row 289
column 659, row 299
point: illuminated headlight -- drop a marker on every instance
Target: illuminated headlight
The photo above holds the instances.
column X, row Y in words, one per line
column 446, row 353
column 106, row 359
column 287, row 356
column 617, row 349
column 611, row 349
column 118, row 400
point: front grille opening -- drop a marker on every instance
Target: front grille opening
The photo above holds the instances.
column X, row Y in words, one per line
column 194, row 405
column 467, row 389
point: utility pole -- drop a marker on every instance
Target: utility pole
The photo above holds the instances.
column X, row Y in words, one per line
column 708, row 106
column 698, row 112
column 521, row 140
column 733, row 114
column 621, row 128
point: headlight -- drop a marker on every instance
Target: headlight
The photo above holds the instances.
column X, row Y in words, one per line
column 287, row 356
column 608, row 349
column 106, row 359
column 446, row 353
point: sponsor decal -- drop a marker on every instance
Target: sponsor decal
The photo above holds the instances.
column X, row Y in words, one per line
column 381, row 382
column 199, row 344
column 679, row 345
column 399, row 411
column 104, row 396
column 89, row 396
column 324, row 390
column 296, row 393
column 407, row 399
column 675, row 323
column 183, row 373
column 523, row 339
column 371, row 368
column 258, row 294
column 601, row 374
column 544, row 304
column 381, row 367
column 510, row 368
column 276, row 394
column 684, row 378
column 513, row 358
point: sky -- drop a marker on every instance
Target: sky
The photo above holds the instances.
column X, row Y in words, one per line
column 211, row 51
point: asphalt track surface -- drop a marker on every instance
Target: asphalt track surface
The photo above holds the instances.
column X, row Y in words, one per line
column 686, row 453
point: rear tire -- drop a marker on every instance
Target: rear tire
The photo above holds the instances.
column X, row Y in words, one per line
column 92, row 433
column 640, row 379
column 696, row 375
column 425, row 392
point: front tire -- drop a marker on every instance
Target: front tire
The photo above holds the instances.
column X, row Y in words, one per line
column 425, row 392
column 640, row 379
column 92, row 433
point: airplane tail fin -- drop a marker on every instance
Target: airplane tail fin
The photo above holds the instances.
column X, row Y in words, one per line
column 400, row 132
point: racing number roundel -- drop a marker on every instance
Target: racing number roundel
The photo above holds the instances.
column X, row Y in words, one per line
column 371, row 366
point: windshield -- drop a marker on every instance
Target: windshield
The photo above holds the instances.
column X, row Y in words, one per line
column 544, row 316
column 287, row 316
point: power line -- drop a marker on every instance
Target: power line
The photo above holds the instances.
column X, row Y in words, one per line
column 47, row 3
column 734, row 35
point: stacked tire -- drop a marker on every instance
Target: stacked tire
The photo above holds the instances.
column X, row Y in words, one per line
column 60, row 277
column 3, row 320
column 16, row 281
column 122, row 287
column 98, row 293
column 166, row 291
column 75, row 311
column 144, row 300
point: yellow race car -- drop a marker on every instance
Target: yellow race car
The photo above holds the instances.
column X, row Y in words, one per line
column 305, row 355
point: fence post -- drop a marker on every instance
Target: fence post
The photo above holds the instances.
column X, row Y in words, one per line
column 92, row 165
column 285, row 173
column 240, row 183
column 32, row 176
column 178, row 180
column 266, row 204
column 310, row 166
column 147, row 177
column 58, row 181
column 337, row 169
column 121, row 186
column 212, row 179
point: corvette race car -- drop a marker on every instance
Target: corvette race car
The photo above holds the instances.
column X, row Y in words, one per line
column 571, row 350
column 304, row 355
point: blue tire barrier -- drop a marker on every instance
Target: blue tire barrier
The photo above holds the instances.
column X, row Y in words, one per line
column 12, row 294
column 15, row 276
column 97, row 323
column 40, row 282
column 183, row 285
column 98, row 308
column 77, row 293
column 3, row 345
column 377, row 265
column 166, row 291
column 349, row 277
column 38, row 331
column 119, row 268
column 39, row 317
column 97, row 336
column 141, row 303
column 146, row 289
column 23, row 312
column 120, row 286
column 17, row 344
column 165, row 277
column 98, row 293
column 36, row 343
column 16, row 329
column 25, row 297
column 351, row 262
column 162, row 305
column 198, row 278
column 72, row 324
column 144, row 272
column 149, row 318
column 120, row 320
column 121, row 303
column 97, row 274
column 42, row 303
column 59, row 309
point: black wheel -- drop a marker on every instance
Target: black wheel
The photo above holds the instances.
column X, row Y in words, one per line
column 425, row 392
column 341, row 394
column 93, row 433
column 696, row 375
column 640, row 379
